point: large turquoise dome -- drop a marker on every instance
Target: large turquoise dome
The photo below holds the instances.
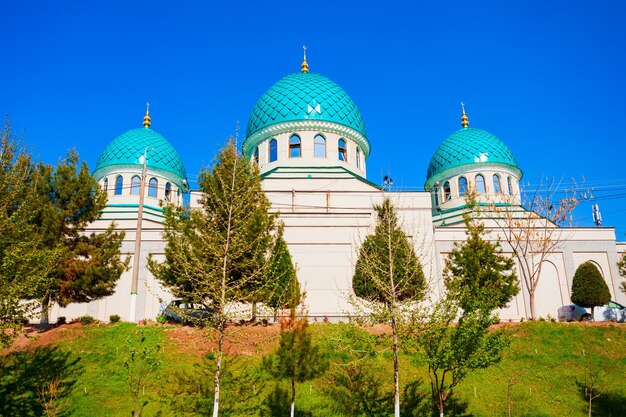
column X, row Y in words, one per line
column 469, row 146
column 305, row 97
column 126, row 150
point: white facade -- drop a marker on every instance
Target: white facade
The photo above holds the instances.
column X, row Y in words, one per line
column 326, row 204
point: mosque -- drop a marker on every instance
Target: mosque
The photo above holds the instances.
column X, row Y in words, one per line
column 310, row 143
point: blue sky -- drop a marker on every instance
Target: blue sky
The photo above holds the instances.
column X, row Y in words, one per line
column 547, row 77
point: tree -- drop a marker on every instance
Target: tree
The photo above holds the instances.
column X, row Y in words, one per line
column 90, row 265
column 478, row 279
column 532, row 230
column 218, row 254
column 25, row 262
column 452, row 350
column 297, row 358
column 388, row 276
column 621, row 264
column 283, row 288
column 476, row 271
column 589, row 288
column 140, row 361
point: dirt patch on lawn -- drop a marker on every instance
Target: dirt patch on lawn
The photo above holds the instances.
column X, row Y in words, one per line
column 244, row 340
column 39, row 335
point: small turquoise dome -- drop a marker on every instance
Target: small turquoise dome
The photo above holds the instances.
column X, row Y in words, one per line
column 128, row 148
column 305, row 96
column 469, row 146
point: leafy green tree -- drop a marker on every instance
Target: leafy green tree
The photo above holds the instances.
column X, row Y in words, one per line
column 297, row 358
column 452, row 350
column 25, row 262
column 479, row 279
column 389, row 278
column 476, row 271
column 90, row 265
column 218, row 254
column 140, row 361
column 283, row 288
column 589, row 288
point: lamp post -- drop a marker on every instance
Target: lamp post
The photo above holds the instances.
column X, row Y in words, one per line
column 135, row 278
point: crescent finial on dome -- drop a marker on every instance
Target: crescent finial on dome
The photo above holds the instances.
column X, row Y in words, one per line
column 464, row 119
column 305, row 65
column 146, row 118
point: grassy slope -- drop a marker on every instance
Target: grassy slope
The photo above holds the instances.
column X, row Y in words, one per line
column 548, row 358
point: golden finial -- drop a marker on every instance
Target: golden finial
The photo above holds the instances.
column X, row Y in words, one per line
column 464, row 119
column 146, row 118
column 305, row 65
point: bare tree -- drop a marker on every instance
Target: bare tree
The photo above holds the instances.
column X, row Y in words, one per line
column 532, row 229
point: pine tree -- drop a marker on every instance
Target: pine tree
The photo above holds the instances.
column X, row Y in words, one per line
column 90, row 265
column 282, row 282
column 389, row 277
column 25, row 263
column 477, row 272
column 589, row 288
column 218, row 254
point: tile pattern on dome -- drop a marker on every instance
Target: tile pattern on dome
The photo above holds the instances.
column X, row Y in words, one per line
column 128, row 147
column 467, row 145
column 289, row 99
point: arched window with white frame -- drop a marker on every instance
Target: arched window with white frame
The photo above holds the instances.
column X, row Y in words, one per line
column 480, row 184
column 295, row 146
column 135, row 184
column 497, row 186
column 153, row 186
column 319, row 146
column 447, row 194
column 119, row 185
column 105, row 185
column 168, row 192
column 462, row 186
column 342, row 150
column 273, row 150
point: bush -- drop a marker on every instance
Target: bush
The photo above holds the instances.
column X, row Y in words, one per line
column 114, row 318
column 85, row 320
column 589, row 288
column 161, row 319
column 61, row 320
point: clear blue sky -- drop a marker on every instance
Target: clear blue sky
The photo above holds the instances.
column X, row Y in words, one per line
column 547, row 77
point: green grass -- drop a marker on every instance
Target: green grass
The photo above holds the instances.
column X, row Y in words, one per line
column 549, row 361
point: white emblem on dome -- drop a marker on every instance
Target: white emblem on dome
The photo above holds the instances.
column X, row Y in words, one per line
column 317, row 108
column 483, row 157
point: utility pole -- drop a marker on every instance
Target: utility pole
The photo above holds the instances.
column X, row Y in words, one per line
column 135, row 279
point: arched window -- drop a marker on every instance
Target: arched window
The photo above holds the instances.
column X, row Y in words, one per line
column 436, row 195
column 446, row 191
column 256, row 155
column 509, row 183
column 135, row 183
column 342, row 150
column 273, row 150
column 319, row 145
column 358, row 157
column 168, row 192
column 119, row 185
column 462, row 186
column 480, row 184
column 497, row 187
column 152, row 187
column 106, row 185
column 295, row 149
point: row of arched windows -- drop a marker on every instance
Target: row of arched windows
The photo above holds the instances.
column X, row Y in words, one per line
column 135, row 184
column 481, row 188
column 319, row 149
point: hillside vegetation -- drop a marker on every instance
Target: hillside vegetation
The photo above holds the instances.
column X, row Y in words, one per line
column 544, row 369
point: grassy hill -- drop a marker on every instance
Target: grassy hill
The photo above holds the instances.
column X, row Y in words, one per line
column 545, row 368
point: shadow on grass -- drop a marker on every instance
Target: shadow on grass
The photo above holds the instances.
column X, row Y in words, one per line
column 608, row 404
column 23, row 376
column 278, row 404
column 418, row 402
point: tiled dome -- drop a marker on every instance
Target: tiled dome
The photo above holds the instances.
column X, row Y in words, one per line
column 305, row 96
column 469, row 146
column 127, row 149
